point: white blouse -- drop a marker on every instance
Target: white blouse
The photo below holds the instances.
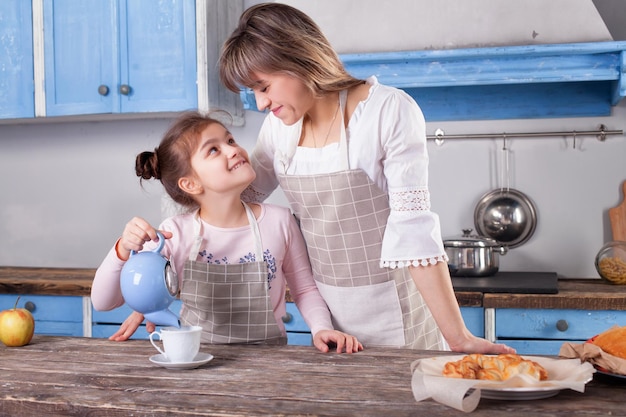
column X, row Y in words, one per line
column 386, row 139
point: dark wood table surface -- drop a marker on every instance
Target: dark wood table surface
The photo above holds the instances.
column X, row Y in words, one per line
column 65, row 376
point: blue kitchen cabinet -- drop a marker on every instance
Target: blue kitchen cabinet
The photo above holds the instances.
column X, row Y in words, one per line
column 17, row 86
column 119, row 56
column 474, row 318
column 54, row 315
column 298, row 333
column 105, row 323
column 543, row 331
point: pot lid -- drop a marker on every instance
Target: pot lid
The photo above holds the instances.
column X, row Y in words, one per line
column 467, row 239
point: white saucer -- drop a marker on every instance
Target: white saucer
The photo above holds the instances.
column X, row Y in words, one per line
column 199, row 360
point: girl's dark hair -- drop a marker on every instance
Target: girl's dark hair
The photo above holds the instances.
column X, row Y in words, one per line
column 277, row 38
column 171, row 160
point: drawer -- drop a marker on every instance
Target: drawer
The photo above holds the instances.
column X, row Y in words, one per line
column 105, row 323
column 474, row 318
column 298, row 333
column 300, row 339
column 47, row 307
column 555, row 324
column 54, row 315
column 294, row 322
column 118, row 315
column 106, row 330
column 535, row 347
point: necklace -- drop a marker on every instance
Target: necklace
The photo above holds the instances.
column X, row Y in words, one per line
column 329, row 128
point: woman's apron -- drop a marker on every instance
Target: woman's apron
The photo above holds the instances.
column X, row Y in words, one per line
column 231, row 302
column 343, row 217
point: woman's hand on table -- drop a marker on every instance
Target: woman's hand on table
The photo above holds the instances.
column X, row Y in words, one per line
column 325, row 339
column 130, row 326
column 473, row 344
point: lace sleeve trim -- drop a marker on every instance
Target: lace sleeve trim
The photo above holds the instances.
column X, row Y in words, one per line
column 415, row 262
column 410, row 200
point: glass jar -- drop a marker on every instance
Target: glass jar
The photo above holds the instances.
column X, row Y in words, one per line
column 611, row 262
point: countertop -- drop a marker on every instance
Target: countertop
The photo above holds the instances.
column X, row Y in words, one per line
column 66, row 376
column 584, row 294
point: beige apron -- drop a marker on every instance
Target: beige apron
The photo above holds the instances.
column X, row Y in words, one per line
column 343, row 217
column 231, row 302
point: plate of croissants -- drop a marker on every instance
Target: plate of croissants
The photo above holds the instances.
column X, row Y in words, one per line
column 501, row 368
column 516, row 377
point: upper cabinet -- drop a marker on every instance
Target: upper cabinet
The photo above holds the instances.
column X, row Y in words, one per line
column 16, row 60
column 512, row 82
column 107, row 58
column 119, row 56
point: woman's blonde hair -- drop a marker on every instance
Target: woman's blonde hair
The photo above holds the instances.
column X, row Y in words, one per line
column 277, row 38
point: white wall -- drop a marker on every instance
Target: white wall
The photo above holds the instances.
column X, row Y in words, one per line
column 67, row 189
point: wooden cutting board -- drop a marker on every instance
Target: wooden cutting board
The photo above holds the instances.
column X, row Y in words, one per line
column 617, row 216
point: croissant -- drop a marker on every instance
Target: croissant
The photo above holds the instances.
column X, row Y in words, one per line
column 494, row 368
column 612, row 341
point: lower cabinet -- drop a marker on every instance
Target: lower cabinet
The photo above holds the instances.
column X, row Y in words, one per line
column 543, row 332
column 298, row 333
column 105, row 323
column 54, row 315
column 474, row 318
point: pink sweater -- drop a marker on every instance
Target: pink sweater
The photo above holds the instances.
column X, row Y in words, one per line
column 283, row 246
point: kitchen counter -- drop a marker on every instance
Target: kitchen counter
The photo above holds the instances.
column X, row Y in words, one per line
column 65, row 376
column 584, row 294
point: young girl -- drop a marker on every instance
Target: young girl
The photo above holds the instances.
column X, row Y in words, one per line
column 351, row 157
column 234, row 260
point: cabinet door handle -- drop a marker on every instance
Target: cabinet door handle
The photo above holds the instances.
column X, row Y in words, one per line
column 287, row 317
column 562, row 325
column 125, row 89
column 103, row 90
column 30, row 306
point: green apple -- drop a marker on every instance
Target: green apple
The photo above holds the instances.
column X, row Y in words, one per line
column 17, row 326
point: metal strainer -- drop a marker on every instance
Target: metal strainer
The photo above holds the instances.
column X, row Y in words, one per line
column 506, row 215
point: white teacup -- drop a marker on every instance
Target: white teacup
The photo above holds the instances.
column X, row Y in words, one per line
column 179, row 344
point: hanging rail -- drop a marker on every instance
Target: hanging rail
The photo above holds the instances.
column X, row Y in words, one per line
column 600, row 134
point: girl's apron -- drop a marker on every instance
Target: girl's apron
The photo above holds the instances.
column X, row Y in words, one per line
column 231, row 302
column 343, row 217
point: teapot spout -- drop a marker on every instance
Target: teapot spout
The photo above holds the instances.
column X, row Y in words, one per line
column 163, row 318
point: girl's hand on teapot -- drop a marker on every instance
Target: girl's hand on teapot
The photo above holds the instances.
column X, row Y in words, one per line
column 136, row 233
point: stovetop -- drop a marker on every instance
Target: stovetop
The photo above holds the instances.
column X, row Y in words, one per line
column 510, row 282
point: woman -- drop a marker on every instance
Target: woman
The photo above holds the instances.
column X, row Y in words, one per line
column 351, row 158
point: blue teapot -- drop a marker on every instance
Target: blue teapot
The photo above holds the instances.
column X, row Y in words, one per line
column 149, row 285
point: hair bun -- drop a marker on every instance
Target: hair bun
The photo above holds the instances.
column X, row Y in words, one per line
column 147, row 165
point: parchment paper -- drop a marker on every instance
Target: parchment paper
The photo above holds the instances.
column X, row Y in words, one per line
column 464, row 394
column 591, row 353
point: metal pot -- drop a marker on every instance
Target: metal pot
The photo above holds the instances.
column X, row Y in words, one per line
column 472, row 255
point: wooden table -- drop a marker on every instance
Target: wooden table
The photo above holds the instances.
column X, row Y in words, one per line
column 63, row 376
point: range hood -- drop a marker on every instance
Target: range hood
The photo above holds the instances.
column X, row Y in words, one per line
column 512, row 82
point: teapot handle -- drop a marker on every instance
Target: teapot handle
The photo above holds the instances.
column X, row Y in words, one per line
column 158, row 248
